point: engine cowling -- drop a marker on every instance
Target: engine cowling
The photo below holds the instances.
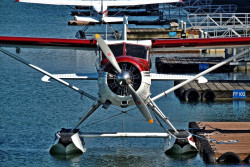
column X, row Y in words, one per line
column 133, row 74
column 112, row 88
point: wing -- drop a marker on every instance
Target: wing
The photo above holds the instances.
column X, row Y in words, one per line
column 91, row 3
column 60, row 2
column 90, row 76
column 166, row 77
column 204, row 43
column 113, row 19
column 140, row 2
column 54, row 43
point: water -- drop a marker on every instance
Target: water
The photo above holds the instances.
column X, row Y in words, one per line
column 32, row 111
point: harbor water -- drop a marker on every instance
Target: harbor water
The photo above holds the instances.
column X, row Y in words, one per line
column 33, row 111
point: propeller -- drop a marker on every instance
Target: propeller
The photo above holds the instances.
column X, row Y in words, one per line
column 123, row 78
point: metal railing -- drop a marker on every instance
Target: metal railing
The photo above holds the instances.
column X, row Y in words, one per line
column 182, row 10
column 221, row 24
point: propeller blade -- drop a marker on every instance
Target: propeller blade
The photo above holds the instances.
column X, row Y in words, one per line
column 107, row 52
column 140, row 104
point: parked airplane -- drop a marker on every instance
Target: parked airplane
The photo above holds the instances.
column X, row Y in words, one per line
column 124, row 78
column 99, row 7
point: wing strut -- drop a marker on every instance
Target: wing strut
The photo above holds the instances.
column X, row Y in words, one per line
column 201, row 74
column 48, row 74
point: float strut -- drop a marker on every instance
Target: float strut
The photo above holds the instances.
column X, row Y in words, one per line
column 156, row 110
column 90, row 111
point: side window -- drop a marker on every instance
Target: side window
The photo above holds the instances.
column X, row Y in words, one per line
column 136, row 51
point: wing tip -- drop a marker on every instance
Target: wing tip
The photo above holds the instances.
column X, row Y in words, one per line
column 97, row 36
column 45, row 78
column 202, row 80
column 151, row 121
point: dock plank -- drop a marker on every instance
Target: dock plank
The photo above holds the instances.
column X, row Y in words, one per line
column 212, row 86
column 236, row 85
column 228, row 86
column 220, row 86
column 244, row 86
column 195, row 85
column 203, row 86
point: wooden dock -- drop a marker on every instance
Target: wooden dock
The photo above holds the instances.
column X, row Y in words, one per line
column 151, row 33
column 189, row 64
column 214, row 90
column 222, row 142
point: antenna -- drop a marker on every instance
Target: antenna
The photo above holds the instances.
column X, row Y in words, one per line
column 124, row 33
column 102, row 9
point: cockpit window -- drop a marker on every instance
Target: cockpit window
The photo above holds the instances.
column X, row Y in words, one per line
column 116, row 49
column 130, row 50
column 136, row 51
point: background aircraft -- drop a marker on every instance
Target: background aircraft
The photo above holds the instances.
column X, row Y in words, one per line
column 99, row 7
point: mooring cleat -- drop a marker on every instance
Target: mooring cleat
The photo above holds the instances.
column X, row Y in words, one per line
column 67, row 142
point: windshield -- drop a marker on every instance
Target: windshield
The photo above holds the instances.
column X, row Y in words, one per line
column 130, row 50
column 136, row 51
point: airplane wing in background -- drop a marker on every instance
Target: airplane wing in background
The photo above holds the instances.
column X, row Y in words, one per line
column 140, row 2
column 91, row 3
column 61, row 2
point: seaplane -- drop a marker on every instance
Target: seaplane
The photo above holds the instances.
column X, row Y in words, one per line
column 100, row 8
column 124, row 79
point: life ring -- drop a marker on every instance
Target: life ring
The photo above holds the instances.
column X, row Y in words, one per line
column 191, row 95
column 208, row 95
column 229, row 157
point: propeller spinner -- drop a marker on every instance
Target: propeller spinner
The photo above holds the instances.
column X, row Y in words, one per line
column 124, row 78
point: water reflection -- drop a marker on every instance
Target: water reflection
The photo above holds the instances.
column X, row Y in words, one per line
column 71, row 157
column 185, row 156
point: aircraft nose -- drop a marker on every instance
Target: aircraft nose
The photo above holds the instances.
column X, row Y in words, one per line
column 123, row 78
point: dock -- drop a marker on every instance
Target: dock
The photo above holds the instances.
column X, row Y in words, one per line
column 151, row 33
column 190, row 64
column 214, row 90
column 222, row 142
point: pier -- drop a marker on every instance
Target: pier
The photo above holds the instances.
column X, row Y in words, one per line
column 189, row 64
column 214, row 90
column 222, row 142
column 150, row 33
